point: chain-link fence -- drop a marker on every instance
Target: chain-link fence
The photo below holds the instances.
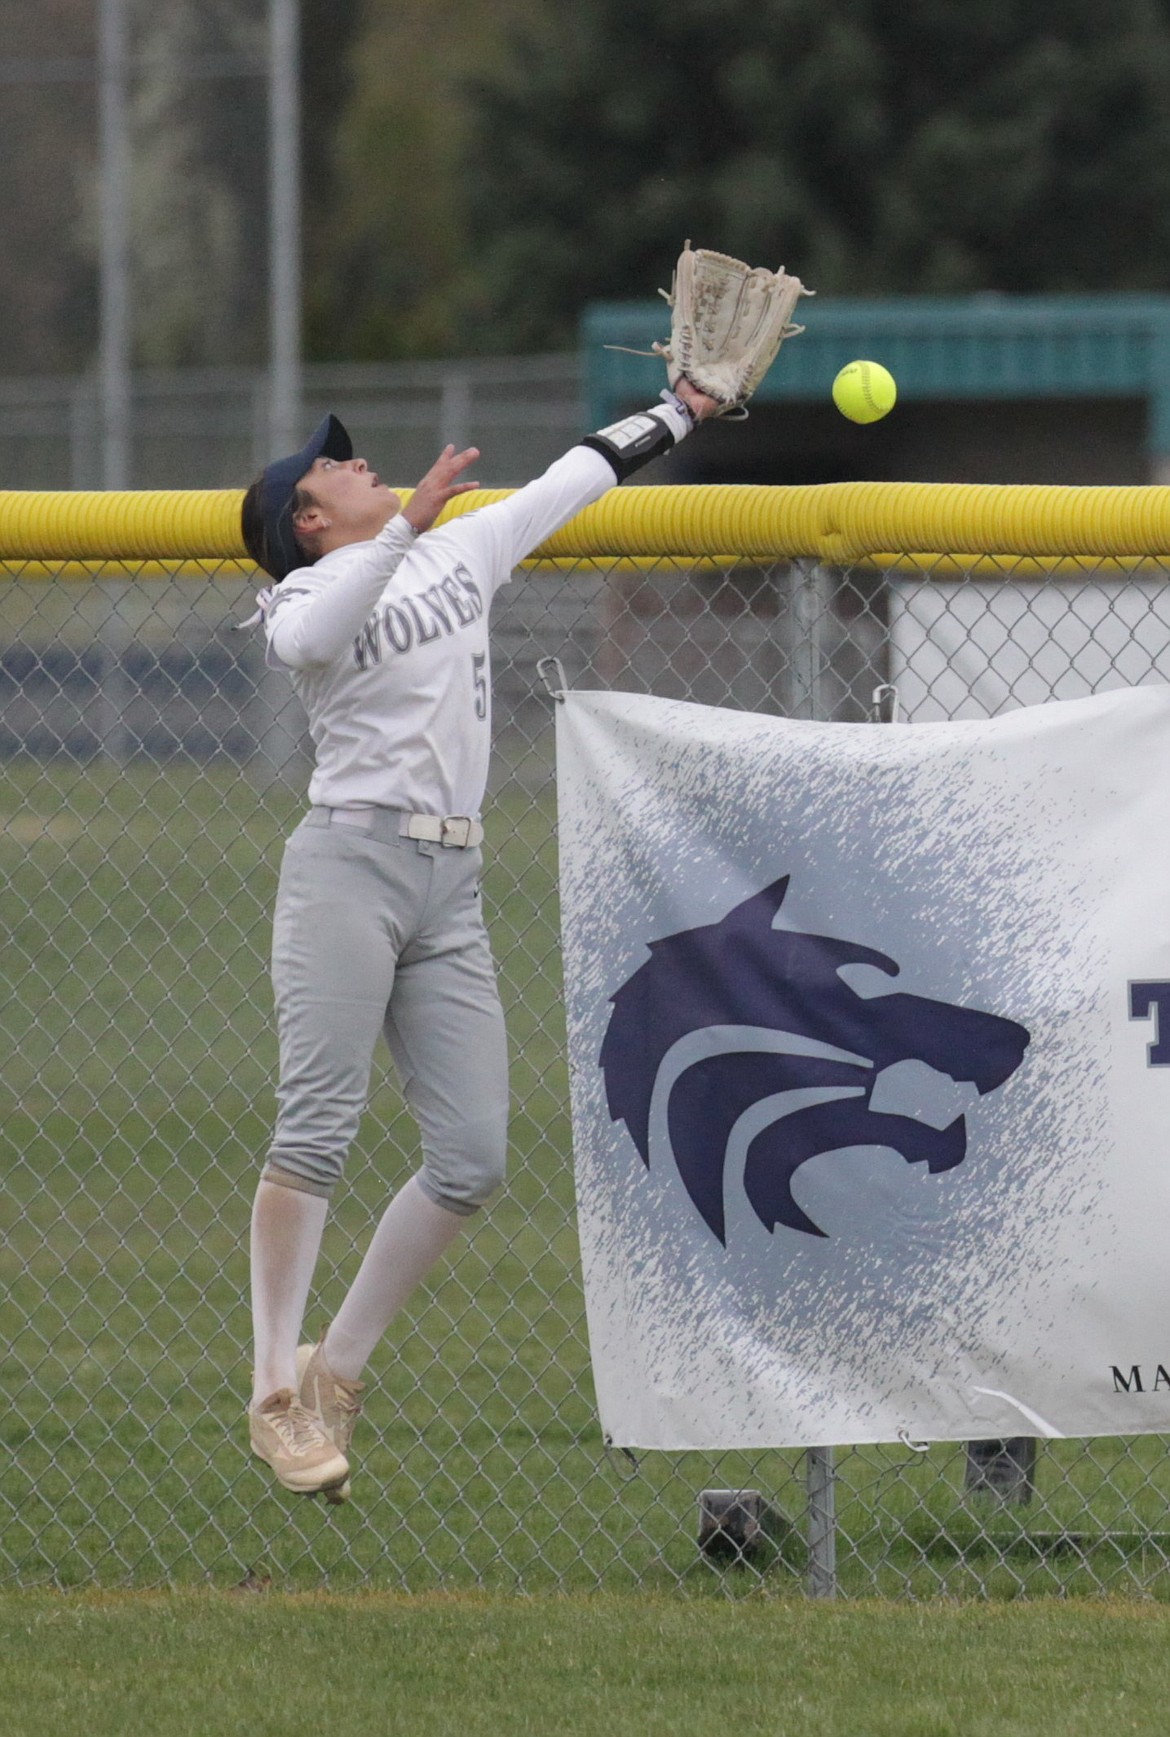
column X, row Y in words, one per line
column 149, row 770
column 209, row 427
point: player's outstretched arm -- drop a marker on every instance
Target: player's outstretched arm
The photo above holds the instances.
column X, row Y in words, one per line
column 442, row 483
column 516, row 526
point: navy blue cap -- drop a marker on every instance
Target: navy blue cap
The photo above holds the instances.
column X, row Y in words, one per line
column 268, row 526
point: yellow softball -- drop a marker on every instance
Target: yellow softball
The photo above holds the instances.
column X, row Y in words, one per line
column 864, row 391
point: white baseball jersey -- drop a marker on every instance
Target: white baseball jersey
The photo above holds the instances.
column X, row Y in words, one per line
column 387, row 645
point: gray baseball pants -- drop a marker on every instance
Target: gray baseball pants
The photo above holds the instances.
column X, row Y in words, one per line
column 376, row 933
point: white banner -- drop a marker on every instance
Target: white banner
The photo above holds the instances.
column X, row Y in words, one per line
column 869, row 1032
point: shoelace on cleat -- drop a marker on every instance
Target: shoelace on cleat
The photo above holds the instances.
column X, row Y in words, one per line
column 343, row 1396
column 346, row 1401
column 297, row 1430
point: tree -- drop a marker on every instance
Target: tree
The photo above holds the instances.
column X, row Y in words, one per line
column 387, row 239
column 197, row 187
column 201, row 172
column 46, row 280
column 938, row 146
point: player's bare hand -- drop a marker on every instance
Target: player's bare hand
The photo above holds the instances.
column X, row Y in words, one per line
column 442, row 482
column 700, row 404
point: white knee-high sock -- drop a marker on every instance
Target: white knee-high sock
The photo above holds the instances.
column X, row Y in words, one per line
column 410, row 1237
column 286, row 1236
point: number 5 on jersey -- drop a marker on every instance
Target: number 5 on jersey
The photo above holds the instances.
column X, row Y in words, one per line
column 479, row 679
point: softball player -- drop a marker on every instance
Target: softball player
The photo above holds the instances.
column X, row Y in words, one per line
column 382, row 623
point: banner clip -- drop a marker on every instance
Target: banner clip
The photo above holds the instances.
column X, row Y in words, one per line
column 547, row 668
column 632, row 1467
column 885, row 705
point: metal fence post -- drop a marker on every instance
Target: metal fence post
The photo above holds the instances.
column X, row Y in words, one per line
column 118, row 690
column 455, row 408
column 810, row 602
column 820, row 1479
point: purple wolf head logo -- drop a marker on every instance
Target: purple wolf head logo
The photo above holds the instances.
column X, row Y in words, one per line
column 741, row 1034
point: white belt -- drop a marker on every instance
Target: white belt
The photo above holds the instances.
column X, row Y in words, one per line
column 452, row 831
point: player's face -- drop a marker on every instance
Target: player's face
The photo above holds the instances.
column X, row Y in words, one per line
column 351, row 496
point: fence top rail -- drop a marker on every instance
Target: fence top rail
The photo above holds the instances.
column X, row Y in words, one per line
column 834, row 522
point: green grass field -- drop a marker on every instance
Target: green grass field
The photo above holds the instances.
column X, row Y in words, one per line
column 214, row 1665
column 139, row 1058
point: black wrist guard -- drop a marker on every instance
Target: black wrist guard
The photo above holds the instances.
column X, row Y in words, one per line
column 634, row 441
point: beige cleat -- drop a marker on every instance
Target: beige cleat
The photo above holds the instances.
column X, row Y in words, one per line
column 334, row 1403
column 294, row 1444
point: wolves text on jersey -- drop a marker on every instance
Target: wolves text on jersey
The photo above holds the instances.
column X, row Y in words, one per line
column 454, row 602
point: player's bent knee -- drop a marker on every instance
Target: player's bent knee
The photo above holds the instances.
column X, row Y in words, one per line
column 465, row 1175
